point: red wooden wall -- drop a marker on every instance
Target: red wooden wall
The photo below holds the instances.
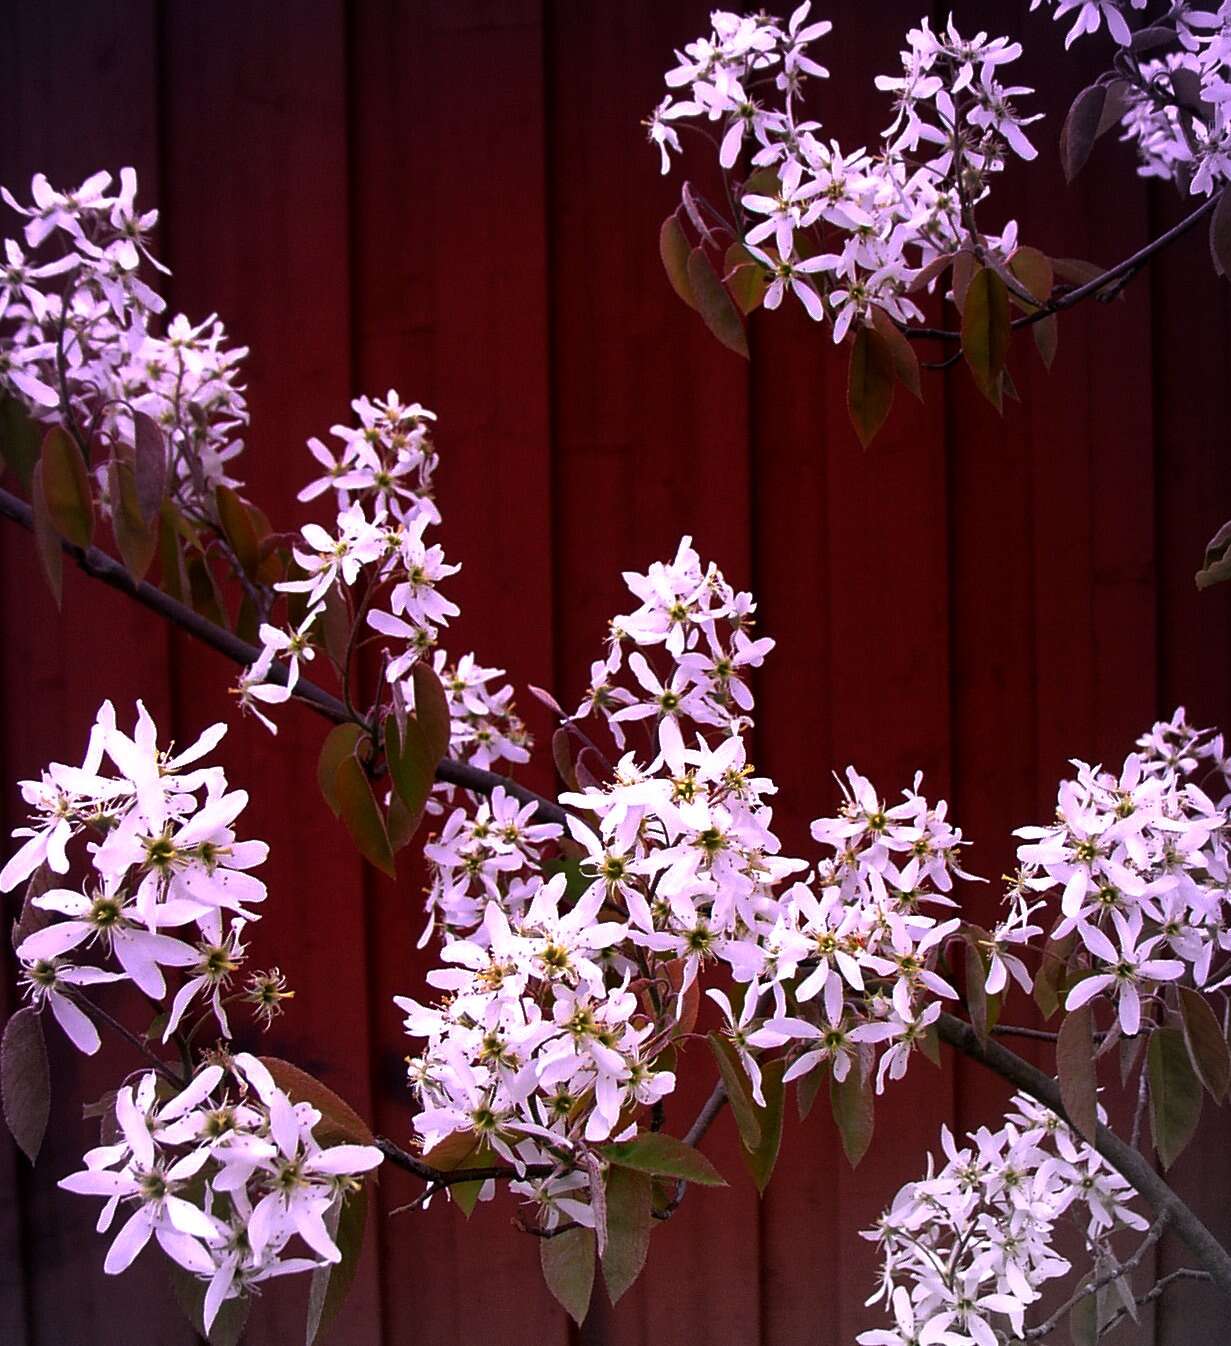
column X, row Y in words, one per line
column 454, row 197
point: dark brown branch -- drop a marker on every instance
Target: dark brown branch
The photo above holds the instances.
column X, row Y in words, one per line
column 1130, row 1164
column 442, row 1178
column 98, row 565
column 1123, row 272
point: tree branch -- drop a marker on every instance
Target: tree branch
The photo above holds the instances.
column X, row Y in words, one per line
column 1123, row 272
column 1131, row 1165
column 98, row 565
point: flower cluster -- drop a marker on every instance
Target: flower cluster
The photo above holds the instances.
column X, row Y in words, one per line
column 224, row 1175
column 1177, row 99
column 846, row 230
column 77, row 345
column 164, row 856
column 1140, row 861
column 376, row 570
column 701, row 625
column 966, row 1249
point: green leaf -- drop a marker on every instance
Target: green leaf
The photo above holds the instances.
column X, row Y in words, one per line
column 760, row 1162
column 19, row 440
column 25, row 1080
column 568, row 1268
column 66, row 487
column 628, row 1228
column 46, row 539
column 203, row 593
column 869, row 383
column 714, row 304
column 341, row 742
column 985, row 332
column 412, row 765
column 173, row 574
column 238, row 529
column 136, row 537
column 1207, row 1048
column 1083, row 1322
column 361, row 814
column 745, row 278
column 1175, row 1094
column 853, row 1107
column 656, row 1152
column 346, row 1221
column 1046, row 333
column 1075, row 1070
column 739, row 1092
column 149, row 466
column 432, row 710
column 340, row 1123
column 673, row 249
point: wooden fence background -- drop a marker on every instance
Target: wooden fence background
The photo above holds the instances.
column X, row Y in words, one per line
column 454, row 197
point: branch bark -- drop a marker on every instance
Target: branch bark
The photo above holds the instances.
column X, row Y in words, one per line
column 98, row 565
column 1128, row 1162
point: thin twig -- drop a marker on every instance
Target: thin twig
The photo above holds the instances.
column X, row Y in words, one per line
column 98, row 565
column 1131, row 1165
column 96, row 1011
column 1155, row 1292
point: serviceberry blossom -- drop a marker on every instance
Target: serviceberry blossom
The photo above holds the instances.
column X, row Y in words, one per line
column 79, row 343
column 966, row 1250
column 225, row 1175
column 169, row 883
column 850, row 231
column 1175, row 96
column 1139, row 862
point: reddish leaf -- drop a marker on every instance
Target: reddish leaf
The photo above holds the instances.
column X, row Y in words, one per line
column 66, row 488
column 239, row 530
column 149, row 466
column 173, row 573
column 25, row 1080
column 673, row 249
column 628, row 1228
column 905, row 361
column 1075, row 1070
column 46, row 539
column 745, row 278
column 1175, row 1094
column 853, row 1107
column 562, row 755
column 341, row 742
column 1220, row 234
column 340, row 1123
column 869, row 385
column 361, row 815
column 1081, row 129
column 1033, row 273
column 715, row 305
column 1207, row 1047
column 568, row 1268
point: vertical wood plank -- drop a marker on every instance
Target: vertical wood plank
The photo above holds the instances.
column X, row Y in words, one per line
column 78, row 93
column 650, row 442
column 256, row 187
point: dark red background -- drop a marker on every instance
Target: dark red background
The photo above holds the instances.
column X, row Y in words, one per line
column 455, row 198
